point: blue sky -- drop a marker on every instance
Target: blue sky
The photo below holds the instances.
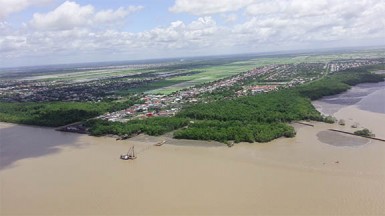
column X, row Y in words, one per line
column 58, row 31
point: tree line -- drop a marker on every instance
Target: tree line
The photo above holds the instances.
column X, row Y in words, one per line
column 152, row 126
column 237, row 131
column 338, row 82
column 54, row 114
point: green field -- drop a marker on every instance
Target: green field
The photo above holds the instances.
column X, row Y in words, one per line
column 217, row 72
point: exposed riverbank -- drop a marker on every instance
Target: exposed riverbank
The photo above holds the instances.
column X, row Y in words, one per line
column 363, row 105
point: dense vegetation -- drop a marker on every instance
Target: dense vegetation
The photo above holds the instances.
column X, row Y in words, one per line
column 364, row 132
column 55, row 114
column 151, row 126
column 258, row 118
column 337, row 83
column 282, row 106
column 237, row 131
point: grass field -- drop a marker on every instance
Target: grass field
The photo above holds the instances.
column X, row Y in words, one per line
column 149, row 88
column 213, row 73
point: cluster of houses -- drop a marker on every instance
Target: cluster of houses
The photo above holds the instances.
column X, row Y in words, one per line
column 346, row 64
column 227, row 82
column 289, row 72
column 256, row 89
column 33, row 91
column 57, row 90
column 154, row 105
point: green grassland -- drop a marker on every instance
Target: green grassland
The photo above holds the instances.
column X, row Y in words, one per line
column 83, row 75
column 210, row 74
column 151, row 88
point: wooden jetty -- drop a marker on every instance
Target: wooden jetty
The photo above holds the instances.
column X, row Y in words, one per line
column 160, row 143
column 350, row 133
column 303, row 123
column 76, row 127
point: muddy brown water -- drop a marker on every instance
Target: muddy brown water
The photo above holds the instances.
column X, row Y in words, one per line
column 45, row 172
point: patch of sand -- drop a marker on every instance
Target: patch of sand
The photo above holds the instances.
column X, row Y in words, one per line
column 373, row 121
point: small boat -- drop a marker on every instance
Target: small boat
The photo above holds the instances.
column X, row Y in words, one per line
column 130, row 154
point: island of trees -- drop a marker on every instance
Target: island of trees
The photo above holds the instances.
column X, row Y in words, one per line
column 364, row 132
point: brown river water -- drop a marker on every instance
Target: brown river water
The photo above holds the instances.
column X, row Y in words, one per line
column 45, row 172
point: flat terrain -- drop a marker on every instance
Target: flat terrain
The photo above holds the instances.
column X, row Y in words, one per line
column 317, row 172
column 174, row 75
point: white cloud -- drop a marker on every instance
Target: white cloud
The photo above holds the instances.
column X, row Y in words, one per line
column 11, row 43
column 314, row 21
column 300, row 8
column 247, row 26
column 71, row 15
column 67, row 16
column 200, row 33
column 204, row 7
column 230, row 18
column 106, row 16
column 8, row 7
